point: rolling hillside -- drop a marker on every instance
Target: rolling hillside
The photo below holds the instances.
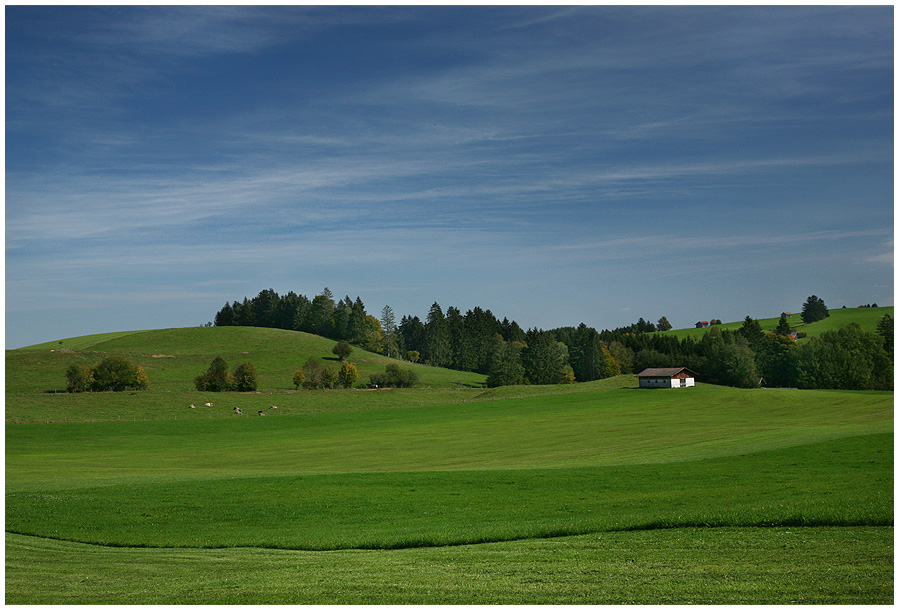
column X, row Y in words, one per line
column 866, row 317
column 172, row 358
column 592, row 493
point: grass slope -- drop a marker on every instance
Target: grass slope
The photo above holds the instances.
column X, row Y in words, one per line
column 866, row 317
column 172, row 358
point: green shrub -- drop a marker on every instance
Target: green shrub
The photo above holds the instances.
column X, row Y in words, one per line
column 217, row 378
column 117, row 374
column 394, row 377
column 299, row 378
column 245, row 378
column 348, row 375
column 79, row 378
column 342, row 350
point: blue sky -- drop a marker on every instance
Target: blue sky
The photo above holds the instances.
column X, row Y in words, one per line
column 555, row 165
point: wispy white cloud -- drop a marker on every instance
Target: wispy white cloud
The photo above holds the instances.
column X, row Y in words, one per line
column 577, row 143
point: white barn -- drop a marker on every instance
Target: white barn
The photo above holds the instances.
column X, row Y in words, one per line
column 680, row 377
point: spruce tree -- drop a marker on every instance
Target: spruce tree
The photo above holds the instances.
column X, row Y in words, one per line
column 814, row 309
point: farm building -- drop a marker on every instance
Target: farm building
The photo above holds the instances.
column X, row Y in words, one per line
column 702, row 324
column 680, row 377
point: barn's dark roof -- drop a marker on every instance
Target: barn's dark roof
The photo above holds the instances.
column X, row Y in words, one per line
column 665, row 372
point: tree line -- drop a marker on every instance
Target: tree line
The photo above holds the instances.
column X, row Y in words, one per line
column 480, row 342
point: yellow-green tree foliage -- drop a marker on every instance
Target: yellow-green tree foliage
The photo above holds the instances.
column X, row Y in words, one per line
column 299, row 378
column 610, row 367
column 348, row 375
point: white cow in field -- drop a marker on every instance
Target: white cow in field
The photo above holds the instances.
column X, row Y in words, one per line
column 209, row 404
column 261, row 413
column 238, row 411
column 273, row 407
column 192, row 406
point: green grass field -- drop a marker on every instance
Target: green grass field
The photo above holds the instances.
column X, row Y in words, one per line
column 585, row 494
column 866, row 317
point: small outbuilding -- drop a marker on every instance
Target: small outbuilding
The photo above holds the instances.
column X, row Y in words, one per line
column 680, row 377
column 702, row 324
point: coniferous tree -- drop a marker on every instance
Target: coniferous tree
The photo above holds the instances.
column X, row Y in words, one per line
column 217, row 378
column 751, row 330
column 318, row 317
column 225, row 317
column 357, row 327
column 814, row 309
column 585, row 352
column 544, row 358
column 437, row 338
column 885, row 329
column 265, row 307
column 455, row 323
column 341, row 320
column 783, row 328
column 412, row 332
column 243, row 313
column 507, row 368
column 389, row 328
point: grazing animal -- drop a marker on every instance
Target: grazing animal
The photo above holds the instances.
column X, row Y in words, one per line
column 192, row 407
column 261, row 413
column 273, row 407
column 209, row 404
column 238, row 411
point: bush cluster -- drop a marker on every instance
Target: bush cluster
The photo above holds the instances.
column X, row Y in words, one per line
column 394, row 377
column 219, row 379
column 113, row 373
column 314, row 376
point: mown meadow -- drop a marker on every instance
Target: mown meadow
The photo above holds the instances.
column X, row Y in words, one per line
column 446, row 493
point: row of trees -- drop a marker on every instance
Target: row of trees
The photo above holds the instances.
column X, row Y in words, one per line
column 113, row 373
column 312, row 376
column 848, row 358
column 315, row 376
column 345, row 319
column 478, row 341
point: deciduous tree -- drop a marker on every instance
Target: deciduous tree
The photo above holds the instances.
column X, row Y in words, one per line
column 348, row 375
column 245, row 378
column 342, row 350
column 79, row 378
column 116, row 374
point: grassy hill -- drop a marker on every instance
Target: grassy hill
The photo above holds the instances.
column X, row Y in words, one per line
column 866, row 317
column 593, row 493
column 172, row 358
